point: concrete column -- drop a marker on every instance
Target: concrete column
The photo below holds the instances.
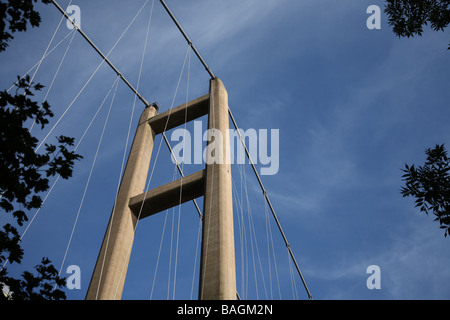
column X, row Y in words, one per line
column 217, row 269
column 112, row 262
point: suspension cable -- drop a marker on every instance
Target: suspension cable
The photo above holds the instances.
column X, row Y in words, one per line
column 180, row 171
column 248, row 155
column 270, row 204
column 153, row 168
column 57, row 178
column 165, row 138
column 126, row 81
column 116, row 83
column 188, row 40
column 246, row 150
column 53, row 80
column 48, row 46
column 40, row 60
column 147, row 104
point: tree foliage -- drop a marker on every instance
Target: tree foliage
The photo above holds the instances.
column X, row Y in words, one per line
column 430, row 185
column 408, row 17
column 24, row 173
column 24, row 170
column 15, row 16
column 36, row 287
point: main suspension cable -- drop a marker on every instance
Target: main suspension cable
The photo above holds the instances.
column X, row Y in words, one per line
column 246, row 150
column 147, row 104
column 125, row 80
column 105, row 58
column 188, row 40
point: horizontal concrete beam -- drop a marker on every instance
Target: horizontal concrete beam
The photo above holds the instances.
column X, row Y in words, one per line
column 168, row 195
column 177, row 116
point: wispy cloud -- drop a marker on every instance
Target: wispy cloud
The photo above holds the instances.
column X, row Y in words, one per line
column 413, row 266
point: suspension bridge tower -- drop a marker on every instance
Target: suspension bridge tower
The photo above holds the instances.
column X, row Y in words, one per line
column 217, row 279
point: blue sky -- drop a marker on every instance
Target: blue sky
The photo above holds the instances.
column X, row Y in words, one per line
column 352, row 106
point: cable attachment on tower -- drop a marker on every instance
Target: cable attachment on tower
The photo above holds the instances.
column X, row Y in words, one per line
column 156, row 105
